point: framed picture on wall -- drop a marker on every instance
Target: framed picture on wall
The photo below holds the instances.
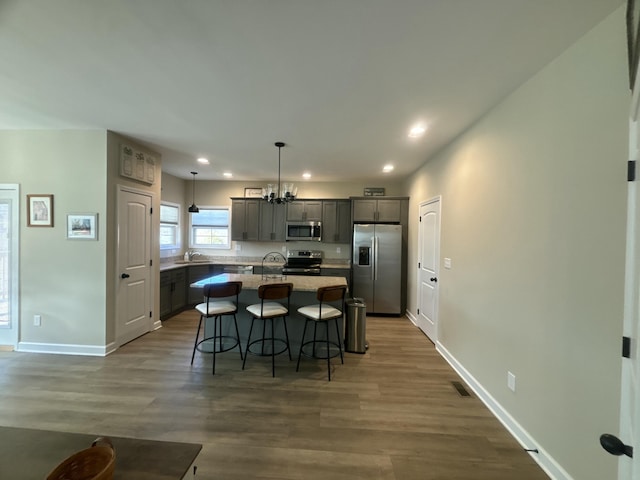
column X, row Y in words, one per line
column 82, row 226
column 253, row 192
column 40, row 210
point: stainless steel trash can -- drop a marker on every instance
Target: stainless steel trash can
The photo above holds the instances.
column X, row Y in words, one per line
column 356, row 326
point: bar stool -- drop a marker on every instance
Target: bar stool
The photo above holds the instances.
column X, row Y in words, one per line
column 216, row 309
column 323, row 312
column 270, row 311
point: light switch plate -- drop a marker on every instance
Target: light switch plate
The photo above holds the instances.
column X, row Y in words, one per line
column 447, row 263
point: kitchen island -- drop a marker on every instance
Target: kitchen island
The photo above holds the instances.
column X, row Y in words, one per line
column 304, row 293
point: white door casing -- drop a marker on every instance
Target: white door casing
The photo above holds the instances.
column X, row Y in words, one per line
column 133, row 290
column 9, row 244
column 428, row 270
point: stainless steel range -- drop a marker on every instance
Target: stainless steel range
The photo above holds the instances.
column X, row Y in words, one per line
column 303, row 262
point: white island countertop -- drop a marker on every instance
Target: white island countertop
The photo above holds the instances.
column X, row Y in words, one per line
column 301, row 283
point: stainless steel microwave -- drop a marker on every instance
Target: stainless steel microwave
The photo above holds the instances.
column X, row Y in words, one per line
column 303, row 231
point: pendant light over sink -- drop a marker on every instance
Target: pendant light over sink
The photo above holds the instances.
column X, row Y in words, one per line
column 193, row 208
column 280, row 193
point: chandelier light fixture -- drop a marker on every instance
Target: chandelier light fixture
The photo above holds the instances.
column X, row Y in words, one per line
column 280, row 193
column 193, row 208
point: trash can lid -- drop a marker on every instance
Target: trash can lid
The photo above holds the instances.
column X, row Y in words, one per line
column 356, row 302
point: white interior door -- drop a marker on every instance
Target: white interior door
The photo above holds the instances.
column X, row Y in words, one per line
column 9, row 228
column 428, row 270
column 133, row 294
column 629, row 468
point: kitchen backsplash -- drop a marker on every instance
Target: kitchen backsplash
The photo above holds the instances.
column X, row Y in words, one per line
column 252, row 251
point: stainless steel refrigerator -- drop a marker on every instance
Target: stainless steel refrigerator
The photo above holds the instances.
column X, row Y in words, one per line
column 377, row 267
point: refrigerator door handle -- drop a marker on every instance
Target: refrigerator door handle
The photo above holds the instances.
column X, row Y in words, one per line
column 373, row 254
column 375, row 258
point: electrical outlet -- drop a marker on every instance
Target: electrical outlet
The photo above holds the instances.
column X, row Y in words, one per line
column 284, row 249
column 37, row 320
column 338, row 250
column 238, row 246
column 511, row 381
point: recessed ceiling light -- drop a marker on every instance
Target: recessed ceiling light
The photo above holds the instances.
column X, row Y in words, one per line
column 417, row 131
column 306, row 175
column 387, row 168
column 228, row 174
column 203, row 161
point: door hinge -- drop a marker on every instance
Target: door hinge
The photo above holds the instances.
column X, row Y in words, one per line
column 626, row 347
column 151, row 211
column 418, row 265
column 631, row 171
column 418, row 311
column 151, row 263
column 420, row 218
column 150, row 314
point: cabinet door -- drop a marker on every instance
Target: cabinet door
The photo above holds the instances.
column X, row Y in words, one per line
column 295, row 211
column 197, row 272
column 238, row 219
column 272, row 220
column 388, row 211
column 252, row 220
column 329, row 218
column 343, row 222
column 313, row 211
column 179, row 294
column 165, row 294
column 364, row 210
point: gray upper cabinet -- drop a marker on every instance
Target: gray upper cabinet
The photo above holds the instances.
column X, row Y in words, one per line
column 336, row 221
column 377, row 210
column 304, row 211
column 272, row 219
column 245, row 219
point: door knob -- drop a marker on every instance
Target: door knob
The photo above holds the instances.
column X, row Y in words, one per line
column 614, row 445
column 434, row 279
column 125, row 275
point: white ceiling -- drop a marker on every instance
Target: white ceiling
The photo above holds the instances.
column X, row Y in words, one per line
column 339, row 81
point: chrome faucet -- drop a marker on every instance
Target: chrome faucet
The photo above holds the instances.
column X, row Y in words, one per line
column 194, row 254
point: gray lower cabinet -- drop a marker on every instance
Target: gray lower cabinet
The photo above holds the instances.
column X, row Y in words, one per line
column 272, row 220
column 198, row 272
column 245, row 219
column 336, row 221
column 337, row 272
column 173, row 292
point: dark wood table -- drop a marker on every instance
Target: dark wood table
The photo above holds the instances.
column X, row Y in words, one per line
column 28, row 454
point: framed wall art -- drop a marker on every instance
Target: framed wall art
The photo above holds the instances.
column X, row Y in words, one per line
column 82, row 226
column 40, row 210
column 253, row 192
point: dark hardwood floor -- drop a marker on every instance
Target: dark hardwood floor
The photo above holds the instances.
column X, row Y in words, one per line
column 392, row 413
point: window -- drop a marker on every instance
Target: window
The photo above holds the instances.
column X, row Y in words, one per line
column 169, row 225
column 210, row 228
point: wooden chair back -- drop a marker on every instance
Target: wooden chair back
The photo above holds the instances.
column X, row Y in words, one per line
column 331, row 293
column 222, row 290
column 275, row 291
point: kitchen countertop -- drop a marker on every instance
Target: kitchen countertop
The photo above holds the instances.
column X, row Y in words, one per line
column 301, row 283
column 231, row 261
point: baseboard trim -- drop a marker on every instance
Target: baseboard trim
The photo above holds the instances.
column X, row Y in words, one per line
column 542, row 458
column 66, row 349
column 411, row 317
